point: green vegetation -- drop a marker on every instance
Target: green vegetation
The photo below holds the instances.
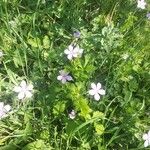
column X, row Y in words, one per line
column 42, row 108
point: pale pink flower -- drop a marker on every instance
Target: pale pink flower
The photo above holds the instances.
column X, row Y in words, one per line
column 141, row 4
column 24, row 90
column 73, row 52
column 64, row 77
column 96, row 91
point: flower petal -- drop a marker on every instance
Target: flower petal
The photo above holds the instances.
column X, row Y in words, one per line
column 66, row 51
column 28, row 94
column 97, row 97
column 93, row 86
column 30, row 87
column 102, row 92
column 23, row 83
column 59, row 77
column 70, row 56
column 92, row 92
column 99, row 85
column 17, row 89
column 69, row 78
column 1, row 105
column 146, row 143
column 21, row 95
column 63, row 80
column 7, row 108
column 70, row 47
column 145, row 136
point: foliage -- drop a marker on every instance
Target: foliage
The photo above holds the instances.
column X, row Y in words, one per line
column 116, row 53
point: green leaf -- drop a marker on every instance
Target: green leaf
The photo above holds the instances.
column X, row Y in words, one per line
column 34, row 42
column 59, row 107
column 46, row 42
column 99, row 128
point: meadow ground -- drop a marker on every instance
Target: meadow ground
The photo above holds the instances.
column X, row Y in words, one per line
column 74, row 75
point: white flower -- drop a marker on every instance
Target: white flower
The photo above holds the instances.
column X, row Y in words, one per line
column 148, row 16
column 64, row 77
column 96, row 91
column 146, row 137
column 73, row 52
column 24, row 90
column 141, row 4
column 72, row 114
column 4, row 109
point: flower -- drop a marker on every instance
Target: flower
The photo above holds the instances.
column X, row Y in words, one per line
column 64, row 77
column 4, row 109
column 24, row 90
column 141, row 4
column 96, row 91
column 73, row 52
column 146, row 137
column 72, row 114
column 77, row 34
column 148, row 16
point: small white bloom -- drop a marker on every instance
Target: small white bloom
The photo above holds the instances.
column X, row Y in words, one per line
column 141, row 4
column 146, row 137
column 125, row 56
column 24, row 90
column 148, row 16
column 72, row 114
column 64, row 77
column 4, row 109
column 73, row 52
column 96, row 91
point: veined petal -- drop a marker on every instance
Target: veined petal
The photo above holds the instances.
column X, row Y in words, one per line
column 97, row 97
column 93, row 86
column 28, row 94
column 17, row 89
column 145, row 136
column 7, row 108
column 23, row 84
column 21, row 95
column 101, row 92
column 146, row 143
column 92, row 92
